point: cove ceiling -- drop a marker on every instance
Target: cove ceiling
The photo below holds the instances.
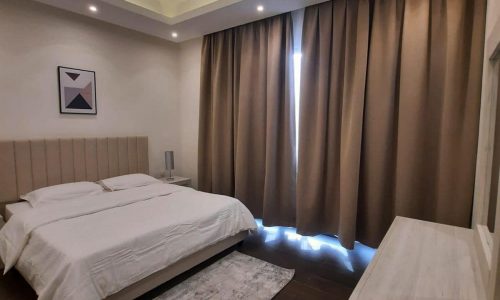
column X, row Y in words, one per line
column 189, row 18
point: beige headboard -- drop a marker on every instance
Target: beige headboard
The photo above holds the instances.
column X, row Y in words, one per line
column 31, row 164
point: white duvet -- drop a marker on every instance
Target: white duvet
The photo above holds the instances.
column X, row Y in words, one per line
column 92, row 247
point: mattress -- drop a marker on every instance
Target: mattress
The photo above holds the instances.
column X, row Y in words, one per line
column 93, row 247
column 14, row 208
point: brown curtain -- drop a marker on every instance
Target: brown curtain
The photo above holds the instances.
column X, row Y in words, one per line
column 334, row 57
column 247, row 120
column 389, row 114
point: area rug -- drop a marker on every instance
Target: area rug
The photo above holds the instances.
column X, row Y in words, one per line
column 236, row 276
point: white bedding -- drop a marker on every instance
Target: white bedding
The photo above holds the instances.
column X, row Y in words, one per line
column 16, row 208
column 92, row 247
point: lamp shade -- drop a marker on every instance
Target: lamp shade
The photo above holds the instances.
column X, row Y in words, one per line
column 169, row 160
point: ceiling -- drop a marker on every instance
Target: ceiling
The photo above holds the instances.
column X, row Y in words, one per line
column 176, row 8
column 188, row 18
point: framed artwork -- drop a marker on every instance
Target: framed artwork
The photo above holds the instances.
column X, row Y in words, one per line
column 77, row 93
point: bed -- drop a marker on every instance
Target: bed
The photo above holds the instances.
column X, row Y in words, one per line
column 104, row 247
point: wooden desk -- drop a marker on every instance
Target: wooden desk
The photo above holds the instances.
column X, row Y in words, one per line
column 423, row 260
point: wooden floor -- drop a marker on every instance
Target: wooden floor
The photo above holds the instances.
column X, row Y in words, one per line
column 323, row 269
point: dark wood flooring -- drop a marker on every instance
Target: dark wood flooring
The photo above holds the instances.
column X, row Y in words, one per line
column 323, row 269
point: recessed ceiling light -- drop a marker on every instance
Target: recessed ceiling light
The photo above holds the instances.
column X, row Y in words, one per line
column 93, row 8
column 260, row 8
column 174, row 35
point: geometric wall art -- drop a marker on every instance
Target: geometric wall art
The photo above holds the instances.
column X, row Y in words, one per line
column 77, row 93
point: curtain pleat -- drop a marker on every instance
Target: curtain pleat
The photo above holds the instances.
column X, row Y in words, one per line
column 216, row 138
column 378, row 153
column 247, row 131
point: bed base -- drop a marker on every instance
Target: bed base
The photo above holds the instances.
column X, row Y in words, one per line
column 156, row 279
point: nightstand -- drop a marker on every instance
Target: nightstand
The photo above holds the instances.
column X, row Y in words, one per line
column 178, row 181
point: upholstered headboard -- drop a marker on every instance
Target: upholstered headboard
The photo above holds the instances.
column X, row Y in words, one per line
column 31, row 164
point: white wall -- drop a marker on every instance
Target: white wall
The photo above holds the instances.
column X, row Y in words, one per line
column 189, row 96
column 487, row 117
column 487, row 244
column 137, row 81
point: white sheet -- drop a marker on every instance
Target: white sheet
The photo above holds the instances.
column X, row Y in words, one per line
column 93, row 248
column 16, row 208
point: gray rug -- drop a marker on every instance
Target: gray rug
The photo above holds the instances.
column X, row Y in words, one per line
column 235, row 276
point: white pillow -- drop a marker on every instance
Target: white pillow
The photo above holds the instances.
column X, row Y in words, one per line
column 62, row 192
column 128, row 181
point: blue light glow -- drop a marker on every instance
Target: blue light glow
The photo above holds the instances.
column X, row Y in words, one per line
column 316, row 244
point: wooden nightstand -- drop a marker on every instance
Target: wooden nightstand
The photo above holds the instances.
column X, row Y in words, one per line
column 177, row 180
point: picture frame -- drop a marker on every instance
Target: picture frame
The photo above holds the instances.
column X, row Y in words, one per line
column 77, row 91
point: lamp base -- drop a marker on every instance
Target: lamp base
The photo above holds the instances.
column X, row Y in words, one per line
column 168, row 175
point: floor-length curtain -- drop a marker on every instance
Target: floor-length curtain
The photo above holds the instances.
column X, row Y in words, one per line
column 376, row 207
column 430, row 144
column 411, row 150
column 247, row 133
column 334, row 56
column 216, row 131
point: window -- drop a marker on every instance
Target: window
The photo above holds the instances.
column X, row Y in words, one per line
column 298, row 20
column 297, row 59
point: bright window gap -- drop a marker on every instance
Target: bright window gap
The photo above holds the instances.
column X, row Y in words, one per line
column 297, row 61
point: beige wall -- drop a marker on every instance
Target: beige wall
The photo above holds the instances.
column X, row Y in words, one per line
column 189, row 96
column 487, row 117
column 137, row 80
column 488, row 244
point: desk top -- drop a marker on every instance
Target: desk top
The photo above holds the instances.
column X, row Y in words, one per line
column 423, row 260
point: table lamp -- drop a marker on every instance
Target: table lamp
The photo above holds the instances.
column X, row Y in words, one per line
column 169, row 164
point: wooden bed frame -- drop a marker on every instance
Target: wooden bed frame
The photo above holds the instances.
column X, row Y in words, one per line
column 31, row 164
